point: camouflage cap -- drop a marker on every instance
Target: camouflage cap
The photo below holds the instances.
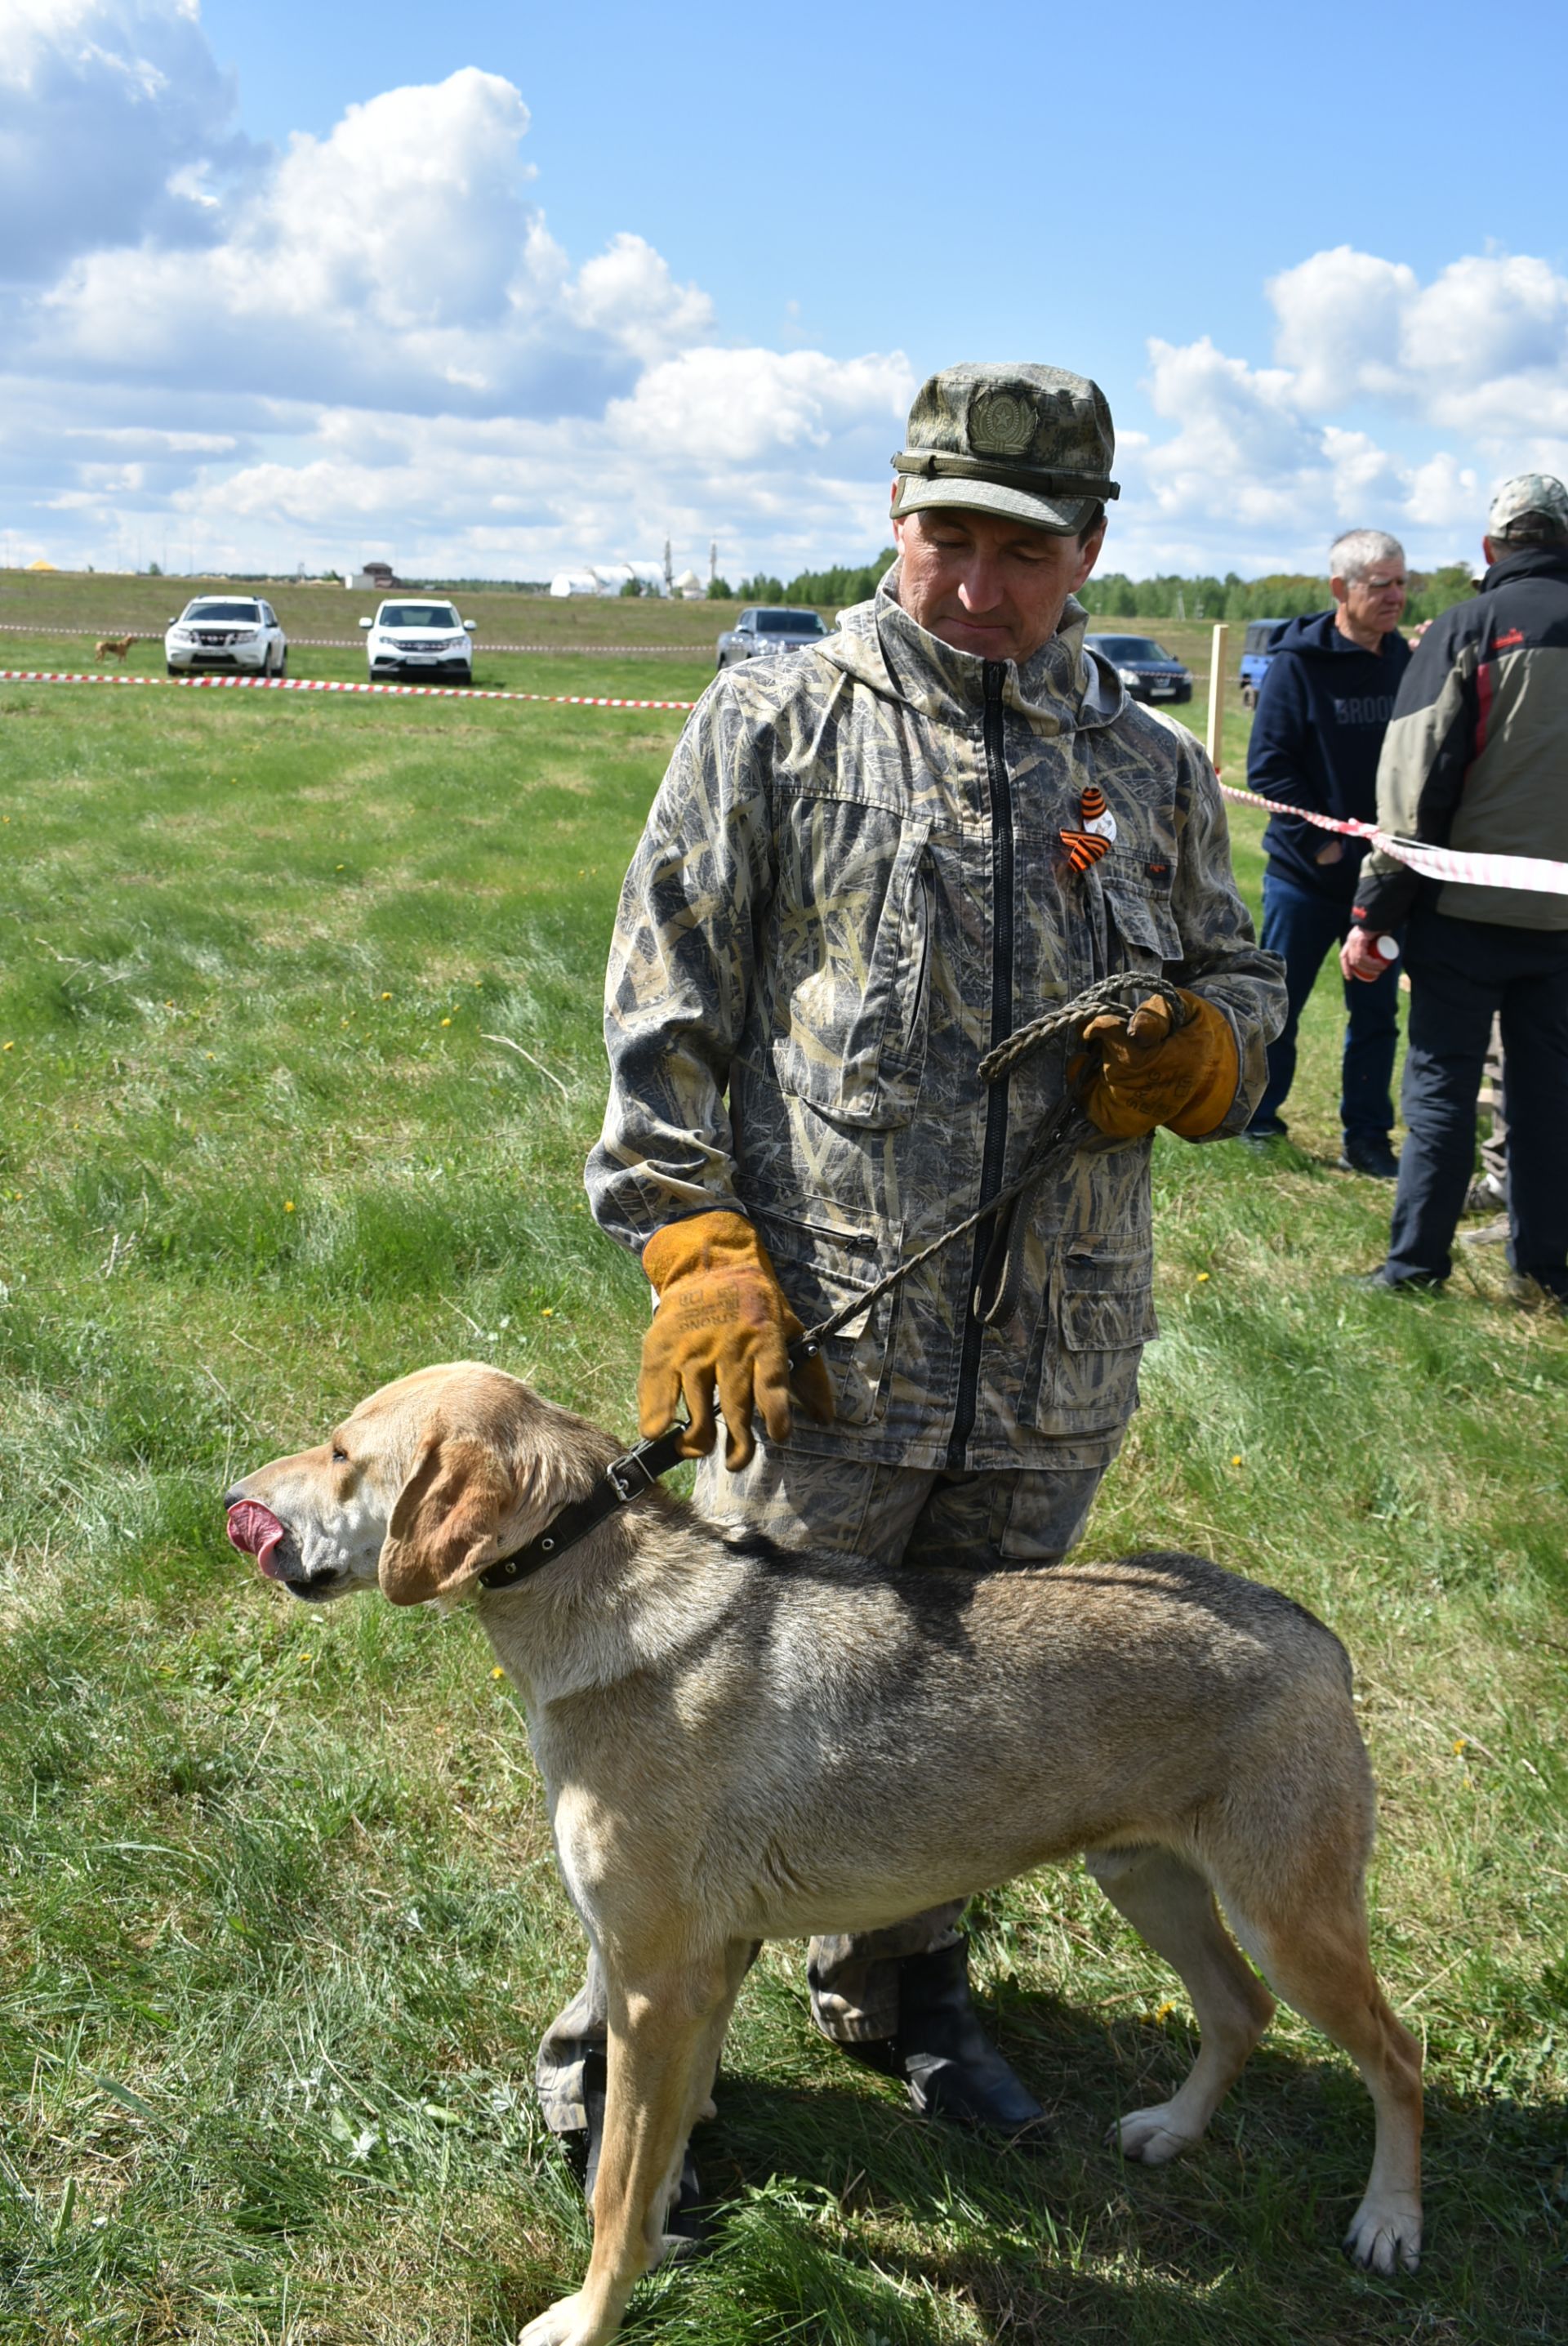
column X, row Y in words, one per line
column 1537, row 494
column 1031, row 440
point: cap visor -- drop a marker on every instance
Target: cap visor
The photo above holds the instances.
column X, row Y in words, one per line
column 1062, row 517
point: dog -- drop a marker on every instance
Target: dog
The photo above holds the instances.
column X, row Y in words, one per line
column 114, row 647
column 740, row 1744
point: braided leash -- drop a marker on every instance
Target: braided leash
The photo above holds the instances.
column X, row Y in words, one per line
column 1057, row 1141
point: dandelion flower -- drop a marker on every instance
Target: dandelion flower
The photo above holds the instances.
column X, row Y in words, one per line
column 446, row 1022
column 386, row 997
column 288, row 1205
column 1201, row 1277
column 1236, row 1460
column 498, row 1672
column 8, row 1047
column 548, row 1312
column 1460, row 1742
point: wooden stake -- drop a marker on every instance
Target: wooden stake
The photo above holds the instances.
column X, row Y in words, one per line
column 1217, row 696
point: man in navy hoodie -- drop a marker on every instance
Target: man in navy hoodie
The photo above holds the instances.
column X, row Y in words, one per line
column 1324, row 707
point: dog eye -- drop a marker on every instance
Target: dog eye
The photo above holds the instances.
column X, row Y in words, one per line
column 339, row 1455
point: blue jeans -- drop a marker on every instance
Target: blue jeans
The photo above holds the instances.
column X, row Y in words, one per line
column 1461, row 972
column 1302, row 928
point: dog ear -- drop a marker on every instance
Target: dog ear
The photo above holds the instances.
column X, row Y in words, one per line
column 445, row 1520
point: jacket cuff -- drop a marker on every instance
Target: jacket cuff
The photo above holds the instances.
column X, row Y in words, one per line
column 1384, row 900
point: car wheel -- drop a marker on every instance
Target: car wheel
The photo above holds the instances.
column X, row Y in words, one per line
column 1249, row 696
column 169, row 669
column 282, row 667
column 1184, row 692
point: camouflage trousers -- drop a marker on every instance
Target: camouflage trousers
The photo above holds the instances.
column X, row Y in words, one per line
column 905, row 1518
column 1495, row 1148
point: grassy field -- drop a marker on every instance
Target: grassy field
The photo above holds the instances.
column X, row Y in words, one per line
column 48, row 604
column 282, row 1924
column 114, row 603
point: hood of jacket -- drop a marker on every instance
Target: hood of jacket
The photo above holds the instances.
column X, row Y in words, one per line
column 1060, row 689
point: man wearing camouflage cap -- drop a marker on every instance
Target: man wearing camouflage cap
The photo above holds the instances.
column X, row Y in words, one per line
column 870, row 862
column 1477, row 758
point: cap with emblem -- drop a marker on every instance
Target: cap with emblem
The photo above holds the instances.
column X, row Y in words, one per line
column 1534, row 497
column 1033, row 441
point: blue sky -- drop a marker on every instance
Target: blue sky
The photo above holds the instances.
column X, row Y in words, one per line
column 493, row 288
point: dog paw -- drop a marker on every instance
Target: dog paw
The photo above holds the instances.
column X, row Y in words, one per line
column 1149, row 2135
column 1385, row 2235
column 567, row 2323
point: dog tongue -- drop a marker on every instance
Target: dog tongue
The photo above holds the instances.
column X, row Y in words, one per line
column 255, row 1531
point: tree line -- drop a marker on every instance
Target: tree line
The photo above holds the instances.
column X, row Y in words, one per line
column 1284, row 595
column 1112, row 594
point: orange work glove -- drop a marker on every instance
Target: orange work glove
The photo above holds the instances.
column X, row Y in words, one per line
column 722, row 1322
column 1150, row 1075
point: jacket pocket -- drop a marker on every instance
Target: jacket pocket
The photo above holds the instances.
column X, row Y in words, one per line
column 821, row 1271
column 1141, row 931
column 850, row 1024
column 1097, row 1316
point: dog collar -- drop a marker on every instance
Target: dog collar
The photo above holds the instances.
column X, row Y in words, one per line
column 623, row 1479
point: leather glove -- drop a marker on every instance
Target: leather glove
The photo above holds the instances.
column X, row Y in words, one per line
column 1150, row 1075
column 722, row 1322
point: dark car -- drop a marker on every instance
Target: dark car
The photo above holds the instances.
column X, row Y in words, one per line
column 1256, row 647
column 1146, row 668
column 768, row 630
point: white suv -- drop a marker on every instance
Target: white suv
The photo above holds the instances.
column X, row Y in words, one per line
column 408, row 637
column 234, row 631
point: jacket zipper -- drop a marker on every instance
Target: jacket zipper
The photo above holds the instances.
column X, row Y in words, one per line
column 994, row 1154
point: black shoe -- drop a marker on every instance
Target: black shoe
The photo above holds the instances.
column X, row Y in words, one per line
column 1371, row 1155
column 949, row 2065
column 1390, row 1283
column 686, row 2222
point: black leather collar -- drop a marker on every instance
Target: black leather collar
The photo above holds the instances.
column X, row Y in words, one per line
column 622, row 1480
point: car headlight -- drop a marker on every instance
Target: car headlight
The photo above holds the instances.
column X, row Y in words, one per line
column 1129, row 675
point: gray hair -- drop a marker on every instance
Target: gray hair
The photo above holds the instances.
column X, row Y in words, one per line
column 1353, row 555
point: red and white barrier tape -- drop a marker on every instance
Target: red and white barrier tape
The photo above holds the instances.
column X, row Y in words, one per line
column 1536, row 873
column 327, row 684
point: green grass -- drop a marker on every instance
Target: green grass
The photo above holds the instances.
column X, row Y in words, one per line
column 282, row 1924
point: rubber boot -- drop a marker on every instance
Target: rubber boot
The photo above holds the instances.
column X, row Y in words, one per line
column 951, row 2067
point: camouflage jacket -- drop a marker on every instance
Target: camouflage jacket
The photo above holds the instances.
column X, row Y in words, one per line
column 851, row 883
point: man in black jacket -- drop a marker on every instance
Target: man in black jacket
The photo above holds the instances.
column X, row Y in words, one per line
column 1477, row 759
column 1326, row 704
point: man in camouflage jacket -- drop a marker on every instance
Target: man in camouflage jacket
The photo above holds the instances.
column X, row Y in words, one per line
column 857, row 877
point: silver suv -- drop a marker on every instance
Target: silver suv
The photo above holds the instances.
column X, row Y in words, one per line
column 767, row 629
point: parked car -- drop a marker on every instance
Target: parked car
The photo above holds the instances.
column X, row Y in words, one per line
column 1146, row 668
column 419, row 639
column 768, row 630
column 1256, row 647
column 236, row 631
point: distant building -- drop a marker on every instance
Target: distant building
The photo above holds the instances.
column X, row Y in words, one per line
column 689, row 587
column 609, row 578
column 374, row 578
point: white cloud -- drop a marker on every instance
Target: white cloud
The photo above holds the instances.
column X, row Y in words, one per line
column 1264, row 466
column 115, row 121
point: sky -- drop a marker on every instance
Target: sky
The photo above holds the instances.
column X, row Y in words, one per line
column 494, row 289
